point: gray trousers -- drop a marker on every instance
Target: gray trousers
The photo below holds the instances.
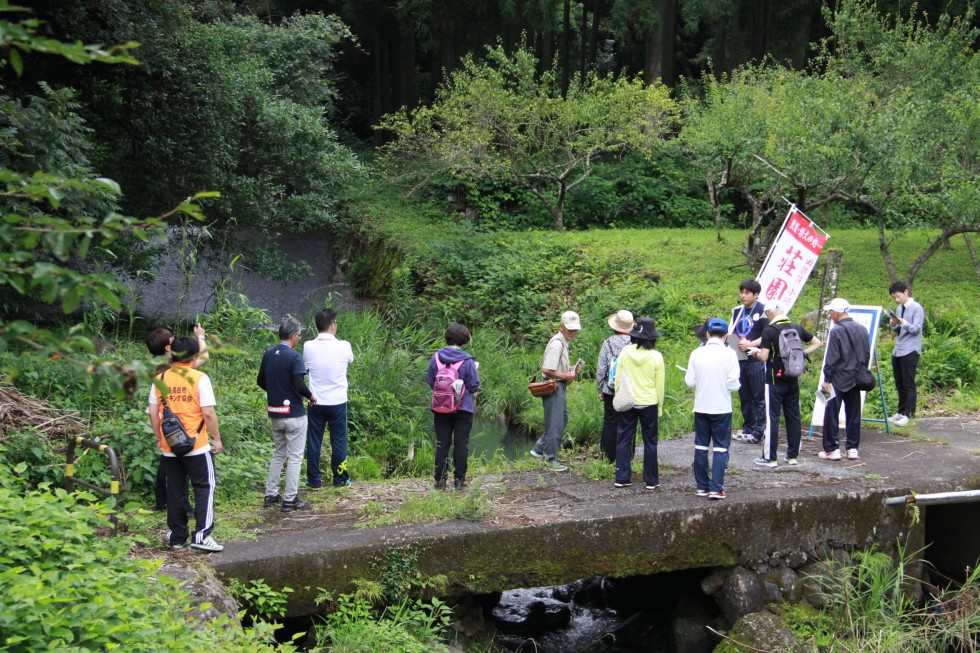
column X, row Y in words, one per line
column 289, row 443
column 555, row 421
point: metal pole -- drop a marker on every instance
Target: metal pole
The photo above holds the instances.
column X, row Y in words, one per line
column 969, row 496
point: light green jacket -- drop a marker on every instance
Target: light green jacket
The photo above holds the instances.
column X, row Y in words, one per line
column 645, row 367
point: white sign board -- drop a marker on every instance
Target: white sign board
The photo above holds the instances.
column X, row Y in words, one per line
column 869, row 317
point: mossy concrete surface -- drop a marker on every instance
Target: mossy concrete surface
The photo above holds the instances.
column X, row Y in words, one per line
column 575, row 528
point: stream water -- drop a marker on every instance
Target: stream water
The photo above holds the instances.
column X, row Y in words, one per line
column 490, row 436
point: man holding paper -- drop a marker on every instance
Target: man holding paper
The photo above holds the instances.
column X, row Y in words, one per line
column 907, row 326
column 847, row 350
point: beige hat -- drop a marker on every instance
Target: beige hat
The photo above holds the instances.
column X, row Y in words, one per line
column 569, row 320
column 621, row 321
column 838, row 305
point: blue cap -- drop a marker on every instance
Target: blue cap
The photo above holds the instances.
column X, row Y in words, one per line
column 717, row 324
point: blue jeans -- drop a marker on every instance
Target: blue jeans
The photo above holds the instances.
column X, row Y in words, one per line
column 625, row 443
column 784, row 398
column 752, row 397
column 334, row 417
column 715, row 429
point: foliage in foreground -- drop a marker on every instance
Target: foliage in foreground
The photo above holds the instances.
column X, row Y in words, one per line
column 388, row 615
column 870, row 608
column 68, row 588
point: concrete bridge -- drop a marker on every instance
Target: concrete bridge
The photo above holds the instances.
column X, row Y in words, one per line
column 547, row 529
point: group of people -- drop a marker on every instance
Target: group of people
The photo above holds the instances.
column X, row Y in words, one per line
column 295, row 429
column 749, row 354
column 753, row 354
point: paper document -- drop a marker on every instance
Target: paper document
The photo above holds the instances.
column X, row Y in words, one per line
column 826, row 396
column 733, row 343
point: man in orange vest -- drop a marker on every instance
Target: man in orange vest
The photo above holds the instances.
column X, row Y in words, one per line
column 190, row 397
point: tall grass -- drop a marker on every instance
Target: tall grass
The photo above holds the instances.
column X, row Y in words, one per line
column 871, row 608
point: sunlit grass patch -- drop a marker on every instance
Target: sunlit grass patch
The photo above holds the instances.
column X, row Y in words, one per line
column 470, row 504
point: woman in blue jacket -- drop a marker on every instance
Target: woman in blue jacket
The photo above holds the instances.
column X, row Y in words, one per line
column 453, row 415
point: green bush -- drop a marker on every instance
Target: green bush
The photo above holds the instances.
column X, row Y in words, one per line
column 67, row 587
column 639, row 191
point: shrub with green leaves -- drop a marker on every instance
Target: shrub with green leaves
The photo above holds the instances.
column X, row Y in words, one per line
column 68, row 587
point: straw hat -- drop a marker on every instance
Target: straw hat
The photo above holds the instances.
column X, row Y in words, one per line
column 621, row 321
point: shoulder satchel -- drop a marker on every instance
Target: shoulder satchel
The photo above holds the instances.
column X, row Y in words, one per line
column 545, row 387
column 624, row 399
column 866, row 381
column 173, row 430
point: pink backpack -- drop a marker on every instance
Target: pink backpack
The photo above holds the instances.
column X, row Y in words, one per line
column 444, row 398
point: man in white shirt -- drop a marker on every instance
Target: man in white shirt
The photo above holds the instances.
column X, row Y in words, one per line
column 327, row 358
column 713, row 372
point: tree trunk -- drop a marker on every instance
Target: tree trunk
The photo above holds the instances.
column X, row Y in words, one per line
column 376, row 65
column 883, row 247
column 760, row 29
column 405, row 65
column 659, row 60
column 559, row 211
column 583, row 40
column 594, row 39
column 943, row 239
column 973, row 254
column 566, row 37
column 546, row 50
column 828, row 288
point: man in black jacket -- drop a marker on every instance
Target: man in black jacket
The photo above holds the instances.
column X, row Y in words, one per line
column 784, row 389
column 848, row 348
column 281, row 376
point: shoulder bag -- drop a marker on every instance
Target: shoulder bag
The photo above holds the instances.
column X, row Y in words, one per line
column 866, row 381
column 173, row 430
column 546, row 386
column 624, row 399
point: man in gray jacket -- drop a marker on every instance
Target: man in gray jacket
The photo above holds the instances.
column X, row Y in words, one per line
column 848, row 349
column 907, row 324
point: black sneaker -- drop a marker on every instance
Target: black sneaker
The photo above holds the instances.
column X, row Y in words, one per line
column 295, row 504
column 271, row 500
column 441, row 485
column 458, row 483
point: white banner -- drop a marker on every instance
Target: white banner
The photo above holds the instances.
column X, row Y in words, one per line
column 791, row 259
column 869, row 317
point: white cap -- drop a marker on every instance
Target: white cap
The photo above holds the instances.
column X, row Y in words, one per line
column 776, row 306
column 838, row 305
column 569, row 320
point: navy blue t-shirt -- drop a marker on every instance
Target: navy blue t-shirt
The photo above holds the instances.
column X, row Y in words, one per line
column 281, row 376
column 749, row 323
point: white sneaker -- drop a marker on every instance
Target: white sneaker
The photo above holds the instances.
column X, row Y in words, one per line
column 894, row 417
column 852, row 454
column 831, row 455
column 901, row 420
column 208, row 545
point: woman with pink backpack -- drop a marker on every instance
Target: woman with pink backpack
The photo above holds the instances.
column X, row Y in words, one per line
column 454, row 380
